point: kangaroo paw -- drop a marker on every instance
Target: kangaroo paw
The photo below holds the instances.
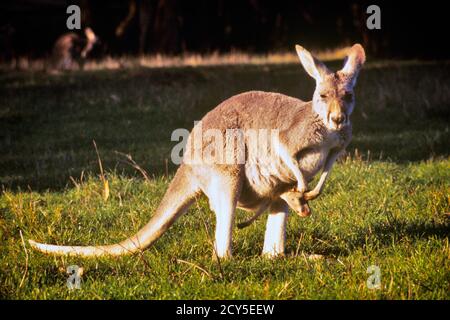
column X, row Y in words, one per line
column 310, row 195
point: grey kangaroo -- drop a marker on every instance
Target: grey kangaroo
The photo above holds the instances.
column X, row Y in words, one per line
column 311, row 135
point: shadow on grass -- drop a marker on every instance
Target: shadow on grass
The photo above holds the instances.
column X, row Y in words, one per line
column 380, row 235
column 49, row 122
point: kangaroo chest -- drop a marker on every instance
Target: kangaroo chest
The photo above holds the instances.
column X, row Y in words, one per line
column 312, row 159
column 269, row 176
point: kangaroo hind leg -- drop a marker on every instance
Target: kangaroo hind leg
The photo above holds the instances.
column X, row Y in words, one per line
column 275, row 236
column 223, row 193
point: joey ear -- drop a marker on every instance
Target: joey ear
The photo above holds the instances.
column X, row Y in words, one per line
column 314, row 67
column 354, row 61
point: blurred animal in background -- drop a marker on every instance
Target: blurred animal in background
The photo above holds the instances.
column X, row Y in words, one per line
column 71, row 50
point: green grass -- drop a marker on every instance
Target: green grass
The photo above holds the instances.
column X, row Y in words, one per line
column 387, row 204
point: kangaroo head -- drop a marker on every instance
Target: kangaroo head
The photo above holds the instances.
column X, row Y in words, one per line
column 333, row 97
column 90, row 35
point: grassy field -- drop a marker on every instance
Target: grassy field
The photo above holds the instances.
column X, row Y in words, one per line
column 386, row 203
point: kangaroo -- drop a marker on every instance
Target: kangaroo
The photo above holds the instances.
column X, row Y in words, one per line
column 71, row 48
column 311, row 136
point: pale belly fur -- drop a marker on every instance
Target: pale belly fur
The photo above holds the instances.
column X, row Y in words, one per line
column 267, row 179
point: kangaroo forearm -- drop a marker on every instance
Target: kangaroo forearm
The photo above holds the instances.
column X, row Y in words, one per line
column 311, row 195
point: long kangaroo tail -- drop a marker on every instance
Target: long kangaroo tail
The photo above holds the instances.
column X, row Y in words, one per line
column 178, row 198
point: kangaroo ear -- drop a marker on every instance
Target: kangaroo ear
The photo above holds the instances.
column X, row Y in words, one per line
column 314, row 67
column 354, row 61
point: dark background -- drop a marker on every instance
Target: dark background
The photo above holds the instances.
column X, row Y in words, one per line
column 409, row 29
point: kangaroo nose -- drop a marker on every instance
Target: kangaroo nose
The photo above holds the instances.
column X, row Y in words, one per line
column 338, row 118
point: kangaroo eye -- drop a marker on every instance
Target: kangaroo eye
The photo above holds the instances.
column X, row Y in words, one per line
column 324, row 96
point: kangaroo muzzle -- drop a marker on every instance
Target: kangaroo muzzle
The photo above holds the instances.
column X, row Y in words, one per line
column 338, row 119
